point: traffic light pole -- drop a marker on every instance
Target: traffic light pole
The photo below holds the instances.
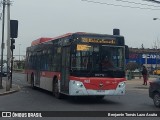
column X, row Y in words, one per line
column 11, row 69
column 12, row 47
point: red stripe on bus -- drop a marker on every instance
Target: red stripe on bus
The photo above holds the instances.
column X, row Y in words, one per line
column 95, row 83
column 46, row 74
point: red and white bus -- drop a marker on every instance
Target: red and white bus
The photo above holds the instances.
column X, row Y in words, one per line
column 71, row 64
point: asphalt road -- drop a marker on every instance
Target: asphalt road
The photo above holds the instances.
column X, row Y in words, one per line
column 27, row 99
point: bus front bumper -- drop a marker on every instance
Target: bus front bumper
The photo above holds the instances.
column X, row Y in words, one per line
column 77, row 88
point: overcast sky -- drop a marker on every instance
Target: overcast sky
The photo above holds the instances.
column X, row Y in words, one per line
column 50, row 18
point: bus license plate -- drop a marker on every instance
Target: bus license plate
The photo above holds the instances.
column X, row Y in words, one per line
column 102, row 91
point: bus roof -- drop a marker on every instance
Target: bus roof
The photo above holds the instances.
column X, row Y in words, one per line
column 43, row 39
column 40, row 40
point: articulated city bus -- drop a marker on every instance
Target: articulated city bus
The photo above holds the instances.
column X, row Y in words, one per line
column 71, row 64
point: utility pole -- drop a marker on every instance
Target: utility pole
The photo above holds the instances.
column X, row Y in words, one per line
column 8, row 78
column 2, row 45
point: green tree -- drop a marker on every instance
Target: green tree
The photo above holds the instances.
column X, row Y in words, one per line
column 132, row 66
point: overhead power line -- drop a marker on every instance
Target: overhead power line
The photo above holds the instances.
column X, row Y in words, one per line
column 117, row 5
column 155, row 1
column 137, row 3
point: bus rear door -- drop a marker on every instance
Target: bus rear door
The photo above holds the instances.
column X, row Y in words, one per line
column 37, row 73
column 64, row 85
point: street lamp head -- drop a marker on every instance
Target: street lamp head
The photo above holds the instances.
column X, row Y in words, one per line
column 155, row 18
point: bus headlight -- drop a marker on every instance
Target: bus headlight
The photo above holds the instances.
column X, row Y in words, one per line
column 121, row 84
column 77, row 83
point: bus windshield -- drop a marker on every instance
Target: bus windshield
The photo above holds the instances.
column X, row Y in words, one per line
column 97, row 57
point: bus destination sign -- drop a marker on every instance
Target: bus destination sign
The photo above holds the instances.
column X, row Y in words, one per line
column 103, row 41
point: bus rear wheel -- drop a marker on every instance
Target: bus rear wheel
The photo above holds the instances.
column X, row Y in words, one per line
column 56, row 90
column 32, row 81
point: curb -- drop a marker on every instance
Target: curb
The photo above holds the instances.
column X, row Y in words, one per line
column 11, row 91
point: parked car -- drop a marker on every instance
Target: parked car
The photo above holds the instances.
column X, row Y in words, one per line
column 154, row 92
column 4, row 74
column 156, row 72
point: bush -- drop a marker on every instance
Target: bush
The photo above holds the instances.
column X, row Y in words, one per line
column 132, row 66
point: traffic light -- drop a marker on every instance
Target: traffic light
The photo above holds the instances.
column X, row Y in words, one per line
column 13, row 28
column 12, row 44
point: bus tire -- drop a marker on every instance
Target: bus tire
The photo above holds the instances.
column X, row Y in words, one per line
column 32, row 81
column 56, row 90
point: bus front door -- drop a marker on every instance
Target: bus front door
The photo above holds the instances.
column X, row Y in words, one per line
column 64, row 85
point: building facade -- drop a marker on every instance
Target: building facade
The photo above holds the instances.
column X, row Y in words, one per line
column 148, row 57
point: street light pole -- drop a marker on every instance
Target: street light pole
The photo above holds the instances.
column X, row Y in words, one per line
column 8, row 79
column 156, row 45
column 2, row 45
column 156, row 58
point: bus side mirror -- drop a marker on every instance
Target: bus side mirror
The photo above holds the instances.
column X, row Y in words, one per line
column 126, row 52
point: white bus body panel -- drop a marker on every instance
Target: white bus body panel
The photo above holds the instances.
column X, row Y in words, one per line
column 46, row 83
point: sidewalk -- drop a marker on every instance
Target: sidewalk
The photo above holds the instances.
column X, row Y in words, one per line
column 14, row 88
column 137, row 83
